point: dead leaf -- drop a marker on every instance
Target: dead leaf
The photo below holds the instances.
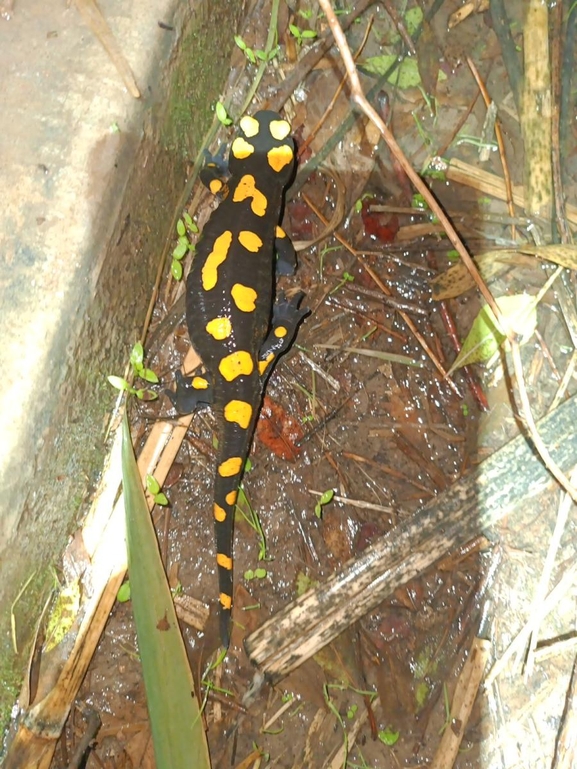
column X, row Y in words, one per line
column 279, row 431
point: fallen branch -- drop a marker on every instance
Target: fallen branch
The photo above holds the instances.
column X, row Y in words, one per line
column 501, row 484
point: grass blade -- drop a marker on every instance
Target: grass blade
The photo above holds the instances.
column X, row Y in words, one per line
column 175, row 718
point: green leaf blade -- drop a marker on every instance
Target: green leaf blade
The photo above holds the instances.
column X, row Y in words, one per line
column 175, row 718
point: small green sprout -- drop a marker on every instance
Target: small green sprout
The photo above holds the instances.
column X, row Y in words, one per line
column 352, row 711
column 453, row 255
column 347, row 278
column 184, row 246
column 153, row 488
column 465, row 409
column 418, row 201
column 259, row 573
column 359, row 201
column 137, row 363
column 115, row 128
column 222, row 114
column 253, row 55
column 325, row 498
column 251, row 517
column 301, row 35
column 388, row 736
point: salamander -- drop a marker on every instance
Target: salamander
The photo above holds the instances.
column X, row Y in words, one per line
column 233, row 320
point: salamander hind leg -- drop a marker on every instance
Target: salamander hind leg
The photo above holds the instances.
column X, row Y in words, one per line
column 286, row 258
column 192, row 393
column 285, row 321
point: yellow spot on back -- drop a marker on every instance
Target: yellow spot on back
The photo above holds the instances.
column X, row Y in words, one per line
column 230, row 467
column 219, row 328
column 236, row 364
column 239, row 412
column 244, row 297
column 225, row 600
column 263, row 364
column 246, row 188
column 224, row 560
column 279, row 129
column 280, row 331
column 219, row 513
column 249, row 126
column 250, row 240
column 231, row 497
column 215, row 259
column 215, row 186
column 199, row 383
column 279, row 232
column 279, row 157
column 241, row 149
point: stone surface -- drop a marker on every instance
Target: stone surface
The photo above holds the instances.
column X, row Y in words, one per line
column 90, row 178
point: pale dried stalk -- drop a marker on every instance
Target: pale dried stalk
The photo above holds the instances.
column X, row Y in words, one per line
column 536, row 112
column 463, row 700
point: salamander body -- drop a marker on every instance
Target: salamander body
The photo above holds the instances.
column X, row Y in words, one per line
column 233, row 321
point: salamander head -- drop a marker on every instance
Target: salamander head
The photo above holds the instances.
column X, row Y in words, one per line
column 263, row 147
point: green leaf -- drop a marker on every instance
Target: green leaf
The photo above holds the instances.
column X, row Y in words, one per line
column 413, row 18
column 405, row 76
column 308, row 34
column 119, row 382
column 137, row 354
column 149, row 375
column 241, row 44
column 189, row 223
column 221, row 113
column 260, row 573
column 161, row 499
column 152, row 484
column 388, row 736
column 180, row 228
column 175, row 719
column 485, row 336
column 123, row 594
column 327, row 496
column 180, row 250
column 176, row 270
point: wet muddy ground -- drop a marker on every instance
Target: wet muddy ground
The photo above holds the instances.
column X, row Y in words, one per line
column 357, row 407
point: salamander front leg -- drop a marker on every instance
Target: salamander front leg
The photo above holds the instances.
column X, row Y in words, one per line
column 285, row 320
column 191, row 393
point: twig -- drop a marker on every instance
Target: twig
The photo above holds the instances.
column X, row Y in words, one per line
column 92, row 16
column 500, row 142
column 556, row 64
column 463, row 701
column 566, row 746
column 359, row 98
column 518, row 644
column 541, row 592
column 93, row 724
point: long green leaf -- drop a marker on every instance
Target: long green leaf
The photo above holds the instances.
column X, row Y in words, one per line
column 175, row 718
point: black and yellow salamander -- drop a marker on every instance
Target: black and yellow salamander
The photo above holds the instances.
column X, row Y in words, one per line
column 234, row 323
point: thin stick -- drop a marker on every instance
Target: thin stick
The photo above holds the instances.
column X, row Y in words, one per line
column 359, row 98
column 463, row 701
